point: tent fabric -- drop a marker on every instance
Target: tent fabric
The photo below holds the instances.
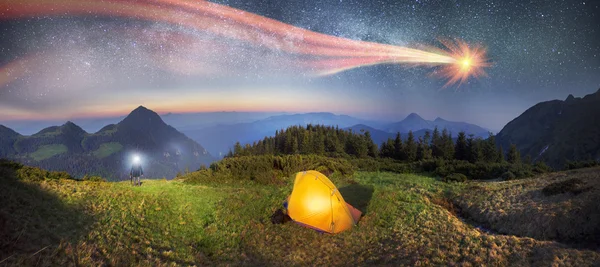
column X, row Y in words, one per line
column 315, row 202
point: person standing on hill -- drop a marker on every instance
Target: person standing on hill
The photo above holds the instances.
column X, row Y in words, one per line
column 136, row 172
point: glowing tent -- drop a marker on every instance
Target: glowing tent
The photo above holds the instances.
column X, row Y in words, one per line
column 316, row 203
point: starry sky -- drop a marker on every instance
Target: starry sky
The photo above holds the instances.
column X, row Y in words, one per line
column 97, row 64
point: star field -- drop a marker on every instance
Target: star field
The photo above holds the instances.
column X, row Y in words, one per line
column 540, row 50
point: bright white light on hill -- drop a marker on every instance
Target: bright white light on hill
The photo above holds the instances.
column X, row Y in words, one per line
column 137, row 159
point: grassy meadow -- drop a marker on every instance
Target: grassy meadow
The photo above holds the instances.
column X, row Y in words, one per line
column 408, row 219
column 48, row 151
column 107, row 149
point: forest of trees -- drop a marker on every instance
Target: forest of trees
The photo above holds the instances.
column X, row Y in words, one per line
column 335, row 142
column 312, row 139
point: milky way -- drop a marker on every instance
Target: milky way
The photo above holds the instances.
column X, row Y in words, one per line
column 319, row 53
column 67, row 58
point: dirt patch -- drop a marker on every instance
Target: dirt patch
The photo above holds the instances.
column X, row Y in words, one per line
column 448, row 205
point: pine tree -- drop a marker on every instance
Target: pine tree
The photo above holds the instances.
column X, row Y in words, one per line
column 398, row 148
column 306, row 145
column 237, row 149
column 420, row 150
column 371, row 147
column 410, row 147
column 387, row 149
column 362, row 147
column 288, row 142
column 513, row 155
column 460, row 149
column 446, row 145
column 426, row 146
column 437, row 144
column 474, row 152
column 319, row 144
column 295, row 149
column 500, row 155
column 490, row 153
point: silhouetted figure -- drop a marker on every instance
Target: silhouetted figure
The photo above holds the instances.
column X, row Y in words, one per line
column 136, row 173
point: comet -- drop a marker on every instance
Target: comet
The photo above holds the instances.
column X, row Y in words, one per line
column 314, row 53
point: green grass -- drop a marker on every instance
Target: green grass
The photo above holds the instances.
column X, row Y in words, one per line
column 165, row 223
column 107, row 149
column 48, row 151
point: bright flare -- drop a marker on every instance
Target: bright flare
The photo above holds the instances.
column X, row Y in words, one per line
column 315, row 53
column 466, row 63
column 136, row 159
column 469, row 62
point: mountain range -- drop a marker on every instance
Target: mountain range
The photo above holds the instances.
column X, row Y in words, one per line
column 219, row 139
column 556, row 131
column 552, row 131
column 414, row 122
column 108, row 152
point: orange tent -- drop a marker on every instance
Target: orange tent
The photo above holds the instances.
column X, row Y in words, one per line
column 315, row 202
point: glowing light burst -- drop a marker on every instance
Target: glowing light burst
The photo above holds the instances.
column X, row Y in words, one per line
column 316, row 53
column 470, row 62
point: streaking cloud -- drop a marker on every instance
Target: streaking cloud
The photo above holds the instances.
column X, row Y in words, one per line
column 216, row 34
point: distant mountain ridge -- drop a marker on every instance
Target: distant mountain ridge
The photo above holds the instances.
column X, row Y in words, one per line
column 414, row 122
column 556, row 131
column 107, row 152
column 220, row 138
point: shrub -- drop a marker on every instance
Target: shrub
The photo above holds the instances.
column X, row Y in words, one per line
column 60, row 175
column 93, row 178
column 541, row 167
column 455, row 177
column 28, row 173
column 508, row 176
column 573, row 185
column 269, row 169
column 521, row 170
column 571, row 165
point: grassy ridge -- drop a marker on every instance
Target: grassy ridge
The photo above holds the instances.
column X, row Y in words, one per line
column 48, row 151
column 107, row 149
column 203, row 222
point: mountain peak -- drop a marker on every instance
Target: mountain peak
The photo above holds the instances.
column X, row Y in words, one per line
column 438, row 119
column 141, row 109
column 143, row 119
column 570, row 98
column 71, row 128
column 69, row 124
column 413, row 116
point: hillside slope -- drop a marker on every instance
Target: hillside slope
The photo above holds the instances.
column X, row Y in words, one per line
column 165, row 223
column 557, row 131
column 7, row 140
column 559, row 206
column 108, row 152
